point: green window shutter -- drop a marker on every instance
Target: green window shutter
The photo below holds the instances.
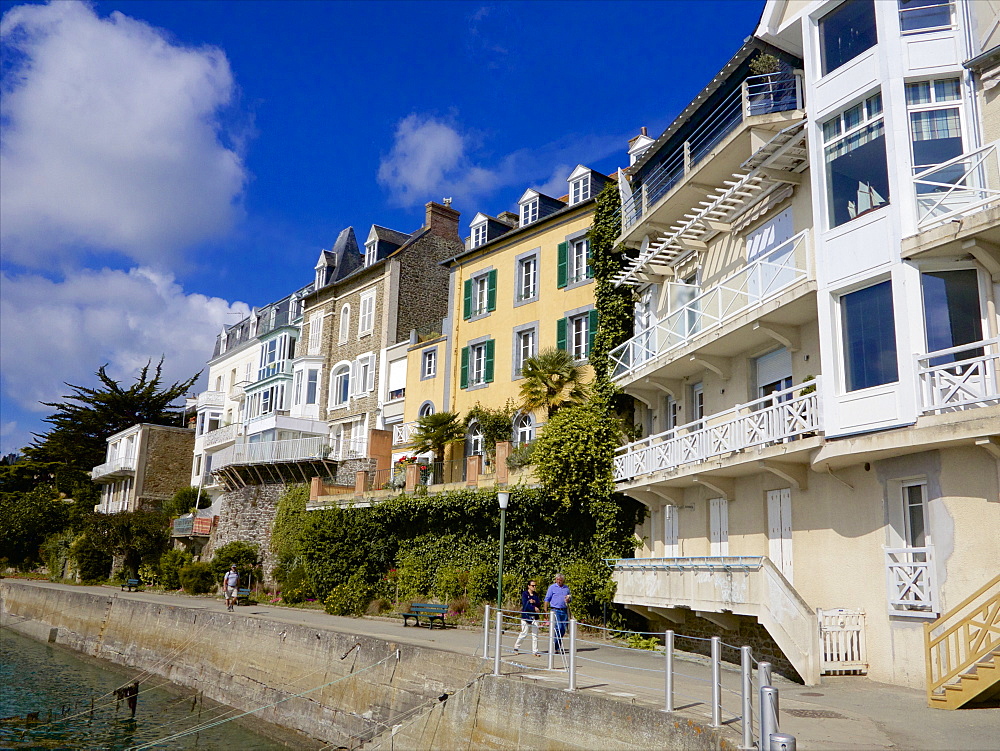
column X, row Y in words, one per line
column 591, row 331
column 561, row 268
column 464, row 378
column 488, row 375
column 467, row 301
column 561, row 334
column 491, row 290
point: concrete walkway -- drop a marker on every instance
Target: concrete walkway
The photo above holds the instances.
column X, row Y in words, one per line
column 842, row 713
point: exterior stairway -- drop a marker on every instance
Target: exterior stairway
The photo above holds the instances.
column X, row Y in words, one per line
column 963, row 651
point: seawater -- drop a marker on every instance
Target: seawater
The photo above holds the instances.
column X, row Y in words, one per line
column 58, row 686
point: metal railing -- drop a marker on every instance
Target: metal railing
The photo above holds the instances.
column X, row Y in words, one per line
column 757, row 95
column 911, row 581
column 115, row 466
column 402, row 432
column 961, row 186
column 701, row 563
column 781, row 416
column 761, row 279
column 269, row 452
column 960, row 377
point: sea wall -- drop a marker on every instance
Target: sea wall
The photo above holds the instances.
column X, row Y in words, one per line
column 261, row 665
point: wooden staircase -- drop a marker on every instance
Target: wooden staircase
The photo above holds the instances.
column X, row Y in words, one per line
column 963, row 651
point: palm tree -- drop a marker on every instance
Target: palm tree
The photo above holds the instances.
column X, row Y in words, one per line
column 552, row 379
column 434, row 432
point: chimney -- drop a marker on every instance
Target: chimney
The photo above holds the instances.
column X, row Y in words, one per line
column 509, row 217
column 442, row 220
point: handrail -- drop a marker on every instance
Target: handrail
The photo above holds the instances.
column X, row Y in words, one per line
column 938, row 192
column 711, row 563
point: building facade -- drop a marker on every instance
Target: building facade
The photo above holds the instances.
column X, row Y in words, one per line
column 146, row 465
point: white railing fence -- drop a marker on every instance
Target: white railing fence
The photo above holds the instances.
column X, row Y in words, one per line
column 121, row 464
column 842, row 641
column 402, row 433
column 960, row 377
column 222, row 435
column 780, row 416
column 761, row 279
column 348, row 448
column 911, row 581
column 958, row 187
column 211, row 399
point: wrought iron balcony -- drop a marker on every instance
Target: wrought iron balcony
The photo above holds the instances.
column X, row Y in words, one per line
column 964, row 377
column 123, row 466
column 781, row 416
column 959, row 187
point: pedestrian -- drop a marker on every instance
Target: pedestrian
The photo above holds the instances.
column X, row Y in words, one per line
column 230, row 586
column 531, row 606
column 557, row 600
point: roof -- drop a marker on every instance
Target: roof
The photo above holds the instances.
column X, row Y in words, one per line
column 390, row 235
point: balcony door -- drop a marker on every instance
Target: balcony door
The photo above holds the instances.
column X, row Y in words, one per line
column 769, row 246
column 779, row 530
column 671, row 548
column 952, row 313
column 719, row 526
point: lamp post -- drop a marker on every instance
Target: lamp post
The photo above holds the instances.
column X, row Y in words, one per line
column 503, row 497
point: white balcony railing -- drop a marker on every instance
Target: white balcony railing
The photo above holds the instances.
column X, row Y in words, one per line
column 348, row 448
column 960, row 377
column 761, row 279
column 211, row 399
column 758, row 95
column 781, row 416
column 959, row 187
column 911, row 582
column 269, row 452
column 222, row 435
column 402, row 433
column 120, row 466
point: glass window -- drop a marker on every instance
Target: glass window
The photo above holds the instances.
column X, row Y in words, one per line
column 366, row 320
column 697, row 395
column 846, row 32
column 524, row 429
column 429, row 368
column 525, row 348
column 529, row 212
column 341, row 385
column 477, row 364
column 578, row 260
column 952, row 313
column 297, row 388
column 935, row 132
column 579, row 190
column 371, row 252
column 527, row 278
column 426, row 410
column 857, row 174
column 914, row 514
column 924, row 15
column 579, row 328
column 345, row 323
column 869, row 326
column 480, row 298
column 312, row 384
column 478, row 235
column 474, row 440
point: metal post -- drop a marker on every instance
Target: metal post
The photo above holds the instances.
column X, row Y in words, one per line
column 552, row 639
column 746, row 673
column 716, row 681
column 782, row 742
column 668, row 670
column 503, row 521
column 768, row 715
column 763, row 674
column 486, row 633
column 496, row 644
column 572, row 654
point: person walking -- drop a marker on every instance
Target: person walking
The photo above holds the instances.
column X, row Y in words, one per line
column 230, row 586
column 557, row 599
column 531, row 606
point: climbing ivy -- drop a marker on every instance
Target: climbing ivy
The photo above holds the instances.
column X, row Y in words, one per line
column 496, row 424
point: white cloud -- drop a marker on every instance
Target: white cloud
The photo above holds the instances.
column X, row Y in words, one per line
column 111, row 138
column 51, row 332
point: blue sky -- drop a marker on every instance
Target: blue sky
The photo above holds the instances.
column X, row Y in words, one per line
column 165, row 165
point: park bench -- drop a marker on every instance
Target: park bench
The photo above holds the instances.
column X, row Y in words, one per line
column 132, row 585
column 242, row 596
column 430, row 612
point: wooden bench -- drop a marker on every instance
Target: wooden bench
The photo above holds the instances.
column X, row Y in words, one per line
column 242, row 596
column 132, row 585
column 430, row 612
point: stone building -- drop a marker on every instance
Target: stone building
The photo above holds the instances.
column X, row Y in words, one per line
column 146, row 464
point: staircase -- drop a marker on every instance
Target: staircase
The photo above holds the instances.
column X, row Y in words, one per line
column 963, row 651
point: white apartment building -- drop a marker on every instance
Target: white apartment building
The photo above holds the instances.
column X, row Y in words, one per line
column 816, row 354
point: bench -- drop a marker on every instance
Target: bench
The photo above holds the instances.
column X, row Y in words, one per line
column 430, row 612
column 242, row 596
column 132, row 585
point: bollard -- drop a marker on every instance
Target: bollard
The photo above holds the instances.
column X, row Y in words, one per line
column 782, row 742
column 572, row 654
column 763, row 674
column 486, row 633
column 768, row 714
column 746, row 673
column 552, row 641
column 668, row 670
column 716, row 681
column 496, row 644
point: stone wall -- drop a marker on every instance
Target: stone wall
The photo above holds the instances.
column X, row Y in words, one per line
column 247, row 515
column 166, row 464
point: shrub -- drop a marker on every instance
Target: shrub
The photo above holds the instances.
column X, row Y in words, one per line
column 245, row 556
column 637, row 641
column 350, row 598
column 378, row 606
column 198, row 578
column 149, row 574
column 171, row 564
column 93, row 563
column 56, row 553
column 521, row 456
column 186, row 500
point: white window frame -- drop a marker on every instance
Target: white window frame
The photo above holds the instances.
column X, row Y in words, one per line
column 527, row 278
column 311, row 383
column 371, row 252
column 428, row 364
column 477, row 364
column 297, row 387
column 905, row 505
column 366, row 317
column 527, row 346
column 577, row 335
column 579, row 190
column 579, row 251
column 529, row 212
column 342, row 372
column 315, row 332
column 481, row 294
column 935, row 105
column 345, row 324
column 524, row 428
column 718, row 527
column 363, row 374
column 842, row 132
column 926, row 29
column 478, row 234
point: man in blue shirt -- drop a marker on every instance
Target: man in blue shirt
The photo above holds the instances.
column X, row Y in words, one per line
column 531, row 605
column 557, row 600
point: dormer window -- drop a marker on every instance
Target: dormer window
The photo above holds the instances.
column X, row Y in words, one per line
column 479, row 235
column 371, row 252
column 529, row 212
column 579, row 190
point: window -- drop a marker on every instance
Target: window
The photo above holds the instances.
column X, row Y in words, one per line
column 529, row 212
column 297, row 388
column 345, row 324
column 479, row 235
column 364, row 374
column 428, row 365
column 952, row 314
column 341, row 390
column 312, row 385
column 474, row 440
column 846, row 32
column 915, row 514
column 477, row 364
column 524, row 429
column 218, row 383
column 718, row 526
column 573, row 260
column 525, row 346
column 371, row 252
column 480, row 294
column 670, row 413
column 315, row 332
column 578, row 337
column 857, row 175
column 579, row 190
column 426, row 409
column 366, row 319
column 527, row 278
column 575, row 334
column 935, row 131
column 774, row 373
column 924, row 15
column 869, row 337
column 697, row 401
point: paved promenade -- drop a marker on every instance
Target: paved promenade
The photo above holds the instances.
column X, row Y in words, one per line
column 842, row 713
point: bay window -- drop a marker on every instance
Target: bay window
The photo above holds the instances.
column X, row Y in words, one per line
column 857, row 173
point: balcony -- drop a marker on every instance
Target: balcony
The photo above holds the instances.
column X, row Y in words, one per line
column 187, row 526
column 402, row 433
column 123, row 466
column 211, row 399
column 271, row 452
column 964, row 377
column 779, row 417
column 763, row 279
column 960, row 187
column 749, row 586
column 911, row 582
column 221, row 436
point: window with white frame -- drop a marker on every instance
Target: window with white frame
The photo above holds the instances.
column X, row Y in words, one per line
column 480, row 295
column 315, row 332
column 526, row 345
column 578, row 260
column 345, row 324
column 935, row 131
column 366, row 319
column 479, row 235
column 846, row 32
column 428, row 364
column 474, row 440
column 579, row 190
column 527, row 278
column 857, row 173
column 364, row 374
column 914, row 500
column 579, row 336
column 869, row 337
column 312, row 385
column 371, row 252
column 529, row 212
column 477, row 364
column 426, row 410
column 297, row 387
column 670, row 413
column 696, row 397
column 524, row 429
column 952, row 313
column 340, row 391
column 917, row 16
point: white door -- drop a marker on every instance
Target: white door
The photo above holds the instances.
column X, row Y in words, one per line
column 719, row 521
column 779, row 530
column 670, row 546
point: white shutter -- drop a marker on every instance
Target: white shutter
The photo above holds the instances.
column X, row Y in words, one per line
column 315, row 332
column 356, row 386
column 772, row 367
column 779, row 529
column 719, row 515
column 670, row 548
column 770, row 235
column 370, row 380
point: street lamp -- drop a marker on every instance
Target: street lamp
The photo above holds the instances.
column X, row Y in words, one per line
column 503, row 497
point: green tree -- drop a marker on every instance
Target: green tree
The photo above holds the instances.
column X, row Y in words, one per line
column 552, row 379
column 436, row 431
column 137, row 536
column 187, row 500
column 244, row 555
column 26, row 520
column 87, row 416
